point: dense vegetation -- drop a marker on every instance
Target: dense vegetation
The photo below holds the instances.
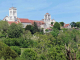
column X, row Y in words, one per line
column 31, row 43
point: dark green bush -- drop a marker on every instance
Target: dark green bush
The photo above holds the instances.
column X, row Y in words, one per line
column 29, row 54
column 16, row 49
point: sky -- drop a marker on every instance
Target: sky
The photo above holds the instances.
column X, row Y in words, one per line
column 60, row 10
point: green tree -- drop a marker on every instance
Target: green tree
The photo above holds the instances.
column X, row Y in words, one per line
column 14, row 31
column 73, row 24
column 4, row 25
column 56, row 25
column 35, row 27
column 62, row 23
column 78, row 24
column 29, row 54
column 16, row 49
column 55, row 32
column 8, row 53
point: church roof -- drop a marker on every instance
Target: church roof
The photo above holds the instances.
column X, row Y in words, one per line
column 10, row 22
column 12, row 8
column 47, row 14
column 23, row 20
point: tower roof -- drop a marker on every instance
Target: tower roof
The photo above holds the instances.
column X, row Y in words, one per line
column 12, row 8
column 47, row 14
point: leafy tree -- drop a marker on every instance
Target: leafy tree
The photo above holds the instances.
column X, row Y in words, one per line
column 62, row 23
column 29, row 54
column 52, row 23
column 8, row 53
column 14, row 31
column 56, row 53
column 28, row 27
column 56, row 25
column 55, row 32
column 35, row 27
column 73, row 24
column 16, row 49
column 78, row 24
column 4, row 25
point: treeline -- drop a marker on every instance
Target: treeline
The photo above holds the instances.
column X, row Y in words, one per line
column 31, row 43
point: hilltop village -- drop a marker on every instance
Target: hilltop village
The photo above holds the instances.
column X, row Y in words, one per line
column 44, row 23
column 45, row 39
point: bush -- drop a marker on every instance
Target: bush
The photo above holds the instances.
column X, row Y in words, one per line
column 8, row 53
column 16, row 49
column 14, row 31
column 29, row 54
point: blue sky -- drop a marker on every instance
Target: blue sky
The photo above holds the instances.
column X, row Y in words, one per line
column 60, row 10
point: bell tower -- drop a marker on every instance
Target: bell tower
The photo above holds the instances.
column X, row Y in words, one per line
column 12, row 14
column 47, row 17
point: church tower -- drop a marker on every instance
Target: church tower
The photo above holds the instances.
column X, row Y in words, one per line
column 12, row 14
column 47, row 18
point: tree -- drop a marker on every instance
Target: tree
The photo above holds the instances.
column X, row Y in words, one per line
column 62, row 23
column 4, row 25
column 57, row 26
column 29, row 54
column 78, row 24
column 35, row 27
column 28, row 27
column 16, row 49
column 7, row 53
column 55, row 32
column 73, row 24
column 14, row 31
column 51, row 23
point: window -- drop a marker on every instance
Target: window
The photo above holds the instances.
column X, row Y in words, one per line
column 10, row 12
column 10, row 17
column 14, row 12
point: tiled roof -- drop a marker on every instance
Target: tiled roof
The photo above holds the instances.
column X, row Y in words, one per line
column 10, row 22
column 24, row 20
column 47, row 13
column 32, row 21
column 66, row 25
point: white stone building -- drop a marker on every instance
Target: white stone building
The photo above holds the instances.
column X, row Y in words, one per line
column 45, row 23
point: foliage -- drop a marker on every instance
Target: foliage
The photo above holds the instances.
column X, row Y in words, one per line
column 56, row 53
column 14, row 31
column 56, row 25
column 55, row 32
column 78, row 24
column 16, row 49
column 62, row 23
column 25, row 43
column 52, row 23
column 8, row 53
column 73, row 24
column 29, row 54
column 4, row 25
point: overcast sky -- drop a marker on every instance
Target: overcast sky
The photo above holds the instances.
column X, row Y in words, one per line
column 60, row 10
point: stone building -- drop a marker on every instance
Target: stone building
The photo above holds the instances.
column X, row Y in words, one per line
column 44, row 23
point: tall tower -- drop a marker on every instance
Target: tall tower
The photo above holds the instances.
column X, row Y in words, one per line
column 47, row 17
column 12, row 14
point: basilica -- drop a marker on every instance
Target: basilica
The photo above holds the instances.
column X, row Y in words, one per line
column 45, row 23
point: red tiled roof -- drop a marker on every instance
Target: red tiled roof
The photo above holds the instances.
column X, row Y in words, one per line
column 10, row 22
column 66, row 25
column 47, row 13
column 32, row 21
column 24, row 20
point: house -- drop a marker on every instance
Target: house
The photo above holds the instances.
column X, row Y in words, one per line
column 67, row 26
column 44, row 23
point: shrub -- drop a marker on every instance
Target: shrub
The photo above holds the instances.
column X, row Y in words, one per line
column 16, row 49
column 29, row 54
